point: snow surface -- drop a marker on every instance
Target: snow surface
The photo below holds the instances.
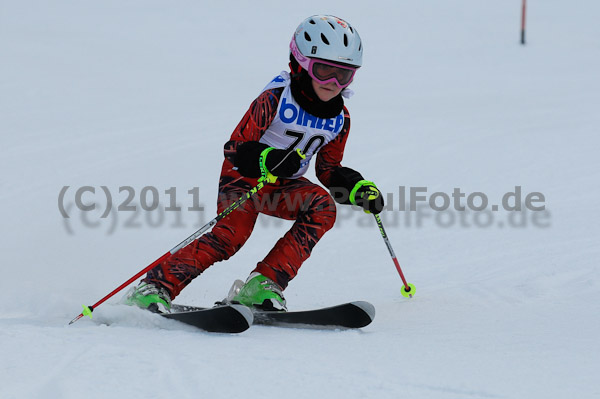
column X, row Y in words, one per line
column 145, row 93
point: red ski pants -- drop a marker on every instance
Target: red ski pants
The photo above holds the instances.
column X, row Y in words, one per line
column 308, row 204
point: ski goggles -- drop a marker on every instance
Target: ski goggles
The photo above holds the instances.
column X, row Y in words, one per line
column 324, row 71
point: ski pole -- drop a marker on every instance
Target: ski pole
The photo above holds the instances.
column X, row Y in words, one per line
column 408, row 290
column 264, row 180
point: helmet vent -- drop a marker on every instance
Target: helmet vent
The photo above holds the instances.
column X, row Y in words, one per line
column 351, row 30
column 312, row 21
column 324, row 39
column 332, row 25
column 345, row 40
column 307, row 37
column 360, row 47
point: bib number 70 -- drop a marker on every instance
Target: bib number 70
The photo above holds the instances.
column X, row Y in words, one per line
column 310, row 145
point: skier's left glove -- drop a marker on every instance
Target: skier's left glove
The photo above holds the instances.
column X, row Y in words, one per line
column 366, row 195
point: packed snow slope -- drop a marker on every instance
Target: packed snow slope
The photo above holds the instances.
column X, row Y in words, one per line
column 143, row 94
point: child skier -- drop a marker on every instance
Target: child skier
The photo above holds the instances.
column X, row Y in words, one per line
column 297, row 116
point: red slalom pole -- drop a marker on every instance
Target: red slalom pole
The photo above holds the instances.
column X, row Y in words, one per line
column 523, row 14
column 408, row 290
column 87, row 310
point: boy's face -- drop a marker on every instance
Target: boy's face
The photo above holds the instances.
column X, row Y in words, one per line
column 327, row 91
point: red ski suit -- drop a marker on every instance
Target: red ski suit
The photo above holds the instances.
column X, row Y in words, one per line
column 311, row 206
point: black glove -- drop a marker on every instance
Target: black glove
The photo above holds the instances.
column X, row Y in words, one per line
column 246, row 158
column 283, row 163
column 280, row 163
column 366, row 195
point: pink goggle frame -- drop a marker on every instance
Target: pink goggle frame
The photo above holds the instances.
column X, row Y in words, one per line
column 324, row 71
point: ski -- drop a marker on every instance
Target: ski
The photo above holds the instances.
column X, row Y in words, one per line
column 348, row 315
column 223, row 319
column 356, row 314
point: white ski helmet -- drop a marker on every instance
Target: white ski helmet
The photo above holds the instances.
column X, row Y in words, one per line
column 328, row 38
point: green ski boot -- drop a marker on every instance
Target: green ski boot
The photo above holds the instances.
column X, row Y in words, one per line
column 149, row 296
column 262, row 293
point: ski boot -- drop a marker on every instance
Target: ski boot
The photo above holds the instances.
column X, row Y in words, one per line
column 259, row 292
column 149, row 296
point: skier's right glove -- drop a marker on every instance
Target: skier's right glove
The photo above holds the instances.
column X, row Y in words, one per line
column 255, row 159
column 281, row 163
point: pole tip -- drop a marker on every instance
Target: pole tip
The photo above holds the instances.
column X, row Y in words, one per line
column 408, row 290
column 87, row 311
